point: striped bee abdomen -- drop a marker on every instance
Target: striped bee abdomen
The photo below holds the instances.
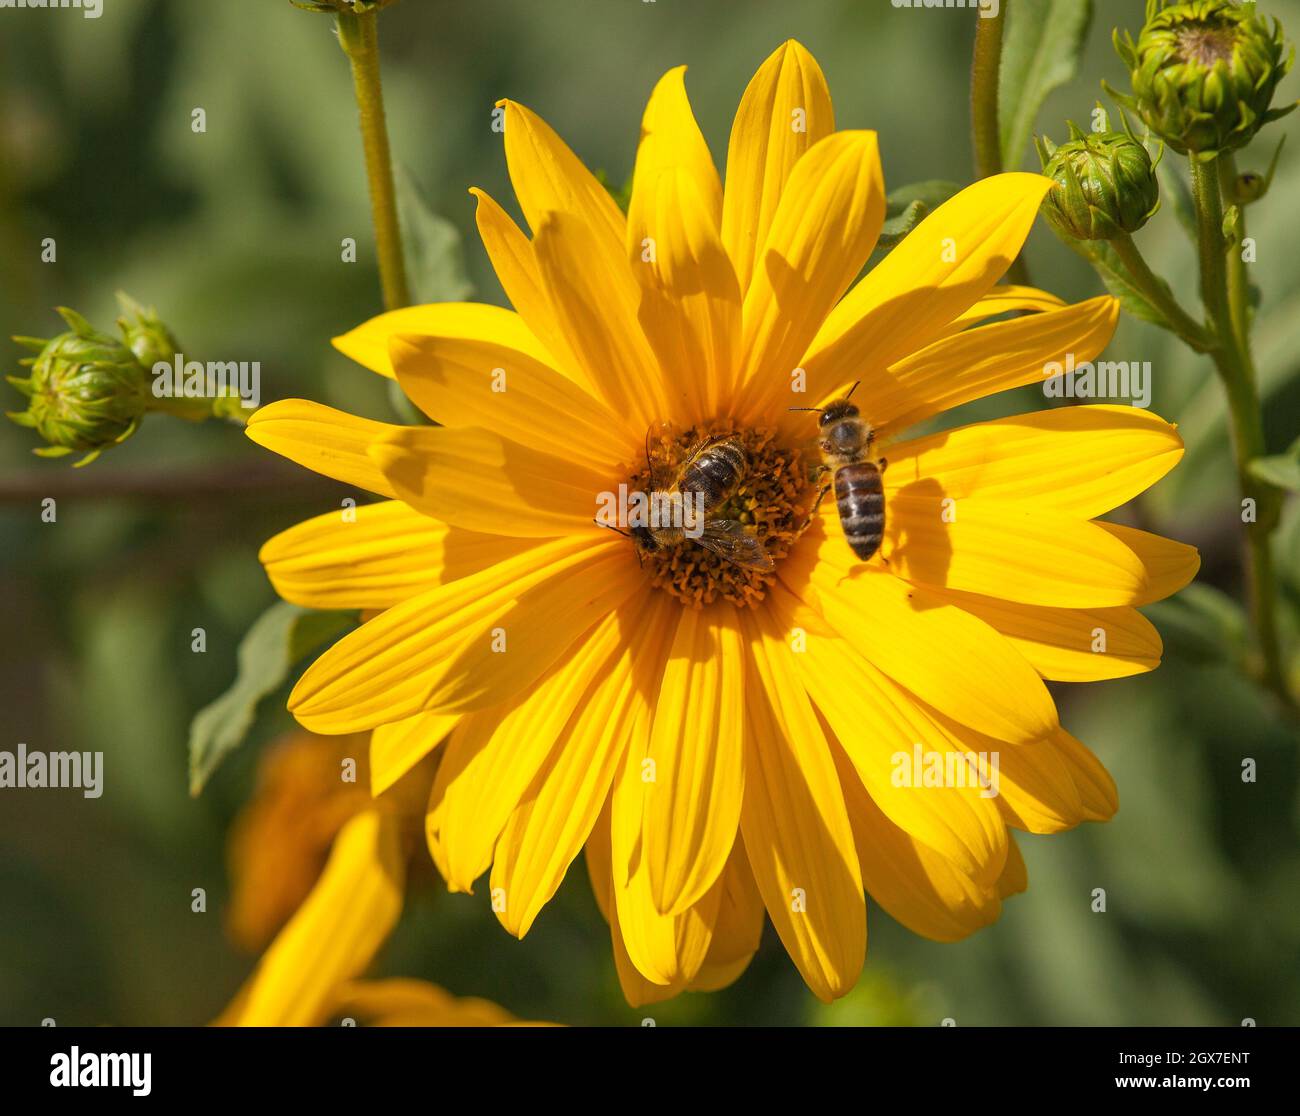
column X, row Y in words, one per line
column 860, row 497
column 715, row 471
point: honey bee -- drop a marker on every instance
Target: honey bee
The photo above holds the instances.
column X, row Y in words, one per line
column 845, row 443
column 709, row 472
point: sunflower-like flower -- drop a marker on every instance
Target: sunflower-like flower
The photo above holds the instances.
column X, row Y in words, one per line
column 727, row 740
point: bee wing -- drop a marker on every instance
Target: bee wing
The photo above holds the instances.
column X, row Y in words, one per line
column 728, row 539
column 662, row 475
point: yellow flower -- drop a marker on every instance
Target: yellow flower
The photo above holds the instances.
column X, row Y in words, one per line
column 326, row 865
column 279, row 843
column 725, row 742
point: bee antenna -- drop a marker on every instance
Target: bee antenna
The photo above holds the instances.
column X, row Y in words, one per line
column 853, row 388
column 817, row 409
column 610, row 527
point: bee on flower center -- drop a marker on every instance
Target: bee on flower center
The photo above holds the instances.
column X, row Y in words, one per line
column 755, row 494
column 709, row 473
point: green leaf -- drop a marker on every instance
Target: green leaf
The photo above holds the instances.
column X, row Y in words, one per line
column 280, row 637
column 930, row 192
column 1201, row 625
column 1281, row 471
column 1040, row 52
column 435, row 257
column 906, row 207
column 895, row 228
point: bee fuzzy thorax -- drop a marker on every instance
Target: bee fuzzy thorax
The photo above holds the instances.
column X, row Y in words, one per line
column 756, row 489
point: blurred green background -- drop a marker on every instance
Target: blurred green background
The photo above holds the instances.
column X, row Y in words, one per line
column 234, row 235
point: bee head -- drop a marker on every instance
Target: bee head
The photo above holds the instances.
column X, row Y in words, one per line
column 834, row 412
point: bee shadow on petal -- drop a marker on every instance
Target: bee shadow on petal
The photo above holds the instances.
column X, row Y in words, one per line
column 918, row 543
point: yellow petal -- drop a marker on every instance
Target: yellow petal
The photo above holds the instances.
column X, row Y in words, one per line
column 637, row 988
column 692, row 806
column 879, row 726
column 332, row 443
column 552, row 822
column 479, row 383
column 821, row 234
column 595, row 299
column 671, row 139
column 494, row 755
column 469, row 644
column 690, row 301
column 1030, row 783
column 796, row 827
column 738, row 928
column 942, row 267
column 1077, row 461
column 1169, row 565
column 336, row 932
column 1000, row 300
column 987, row 360
column 549, row 178
column 924, row 644
column 415, row 1003
column 1014, row 551
column 375, row 556
column 475, row 479
column 1069, row 644
column 511, row 253
column 667, row 950
column 473, row 321
column 919, row 888
column 396, row 748
column 786, row 108
column 1097, row 790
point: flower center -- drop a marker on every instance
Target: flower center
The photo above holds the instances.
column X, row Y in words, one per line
column 1206, row 43
column 771, row 502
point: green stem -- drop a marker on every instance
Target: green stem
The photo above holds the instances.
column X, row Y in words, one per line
column 359, row 36
column 1159, row 295
column 1233, row 361
column 986, row 65
column 1238, row 285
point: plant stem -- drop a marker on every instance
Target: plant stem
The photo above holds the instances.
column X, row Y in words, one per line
column 1238, row 285
column 359, row 36
column 1233, row 361
column 1159, row 294
column 986, row 65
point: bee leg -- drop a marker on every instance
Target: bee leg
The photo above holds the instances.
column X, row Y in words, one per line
column 820, row 497
column 882, row 464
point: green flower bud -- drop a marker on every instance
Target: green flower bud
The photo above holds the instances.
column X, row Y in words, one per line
column 1203, row 74
column 1105, row 185
column 144, row 333
column 87, row 391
